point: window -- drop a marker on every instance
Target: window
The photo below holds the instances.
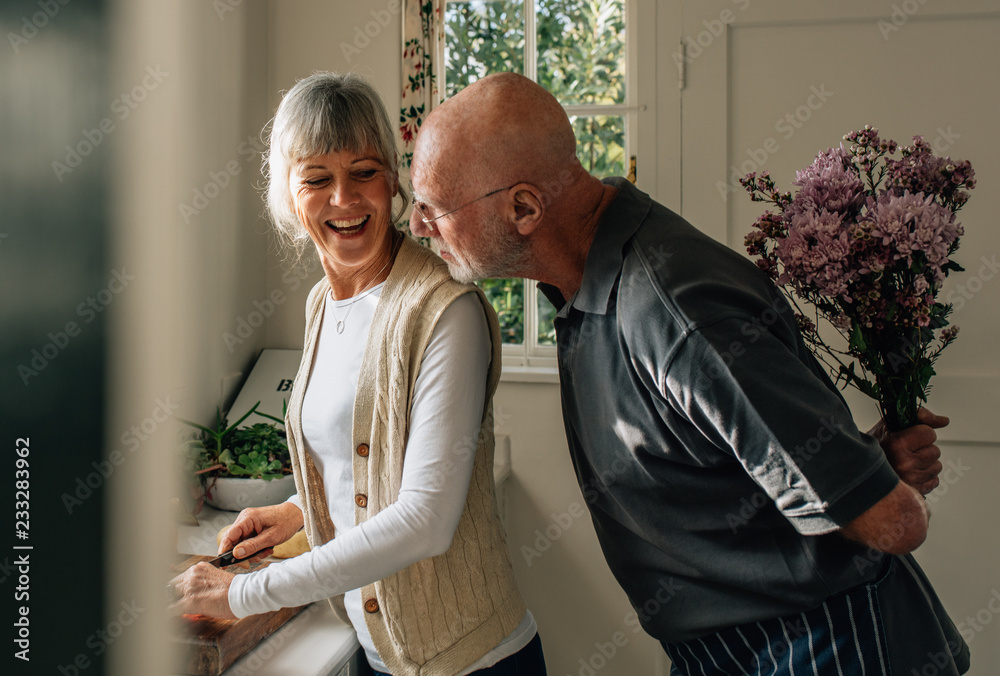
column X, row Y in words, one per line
column 578, row 50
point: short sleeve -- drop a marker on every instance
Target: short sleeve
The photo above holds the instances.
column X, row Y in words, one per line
column 751, row 394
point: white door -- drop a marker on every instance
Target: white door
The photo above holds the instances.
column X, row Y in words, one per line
column 768, row 84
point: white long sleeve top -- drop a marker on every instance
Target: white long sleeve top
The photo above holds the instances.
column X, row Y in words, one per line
column 447, row 407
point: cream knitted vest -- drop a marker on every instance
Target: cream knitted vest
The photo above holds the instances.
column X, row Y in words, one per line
column 441, row 614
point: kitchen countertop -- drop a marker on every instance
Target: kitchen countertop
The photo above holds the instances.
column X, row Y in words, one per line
column 315, row 642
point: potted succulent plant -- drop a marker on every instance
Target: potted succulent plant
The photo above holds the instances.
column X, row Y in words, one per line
column 237, row 467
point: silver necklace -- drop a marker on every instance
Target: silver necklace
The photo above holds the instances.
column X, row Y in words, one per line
column 367, row 291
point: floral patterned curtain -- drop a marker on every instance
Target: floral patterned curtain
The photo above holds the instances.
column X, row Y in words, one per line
column 423, row 58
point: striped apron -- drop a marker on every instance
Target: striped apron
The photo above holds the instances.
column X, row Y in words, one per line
column 845, row 636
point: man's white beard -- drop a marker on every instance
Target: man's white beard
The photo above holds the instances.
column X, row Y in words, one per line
column 498, row 253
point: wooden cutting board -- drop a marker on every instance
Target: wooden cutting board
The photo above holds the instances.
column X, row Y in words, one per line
column 211, row 645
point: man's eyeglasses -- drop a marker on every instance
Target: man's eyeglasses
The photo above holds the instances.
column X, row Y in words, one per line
column 423, row 209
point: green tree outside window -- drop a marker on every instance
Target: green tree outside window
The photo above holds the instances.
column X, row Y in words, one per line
column 580, row 58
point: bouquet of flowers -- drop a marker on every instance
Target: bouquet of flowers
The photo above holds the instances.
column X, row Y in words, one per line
column 867, row 240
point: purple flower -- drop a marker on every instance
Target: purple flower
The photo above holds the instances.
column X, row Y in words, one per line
column 866, row 240
column 816, row 252
column 908, row 224
column 841, row 321
column 919, row 171
column 949, row 334
column 828, row 184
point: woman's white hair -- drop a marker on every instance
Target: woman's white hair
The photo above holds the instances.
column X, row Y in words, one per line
column 325, row 112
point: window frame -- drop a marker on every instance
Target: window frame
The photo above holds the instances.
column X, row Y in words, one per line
column 529, row 361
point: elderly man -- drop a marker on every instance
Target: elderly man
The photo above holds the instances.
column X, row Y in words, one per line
column 753, row 527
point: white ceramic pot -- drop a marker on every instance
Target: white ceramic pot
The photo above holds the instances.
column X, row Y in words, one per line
column 234, row 494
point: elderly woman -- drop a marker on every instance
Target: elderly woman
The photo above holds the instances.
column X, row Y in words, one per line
column 390, row 423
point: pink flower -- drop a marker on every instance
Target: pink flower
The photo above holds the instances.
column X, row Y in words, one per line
column 841, row 321
column 828, row 184
column 816, row 252
column 910, row 224
column 919, row 171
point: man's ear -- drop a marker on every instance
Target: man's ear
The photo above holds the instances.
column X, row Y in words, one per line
column 529, row 208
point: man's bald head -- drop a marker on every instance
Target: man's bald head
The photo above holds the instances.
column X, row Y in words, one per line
column 498, row 130
column 507, row 139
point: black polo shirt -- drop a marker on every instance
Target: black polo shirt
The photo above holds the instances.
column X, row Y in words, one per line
column 716, row 456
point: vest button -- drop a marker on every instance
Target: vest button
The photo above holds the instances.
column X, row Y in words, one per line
column 363, row 450
column 371, row 606
column 361, row 500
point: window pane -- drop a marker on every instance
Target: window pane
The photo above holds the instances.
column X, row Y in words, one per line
column 600, row 143
column 507, row 298
column 546, row 315
column 581, row 50
column 482, row 38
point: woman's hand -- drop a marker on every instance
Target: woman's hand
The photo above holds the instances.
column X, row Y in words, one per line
column 203, row 589
column 912, row 452
column 257, row 530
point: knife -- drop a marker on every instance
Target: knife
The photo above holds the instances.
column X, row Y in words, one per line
column 228, row 559
column 220, row 561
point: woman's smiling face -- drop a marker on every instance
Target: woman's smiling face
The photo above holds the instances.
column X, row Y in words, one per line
column 344, row 201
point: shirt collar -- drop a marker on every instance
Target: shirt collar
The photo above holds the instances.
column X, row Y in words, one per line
column 607, row 252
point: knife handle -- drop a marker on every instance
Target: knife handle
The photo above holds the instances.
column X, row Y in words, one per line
column 228, row 559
